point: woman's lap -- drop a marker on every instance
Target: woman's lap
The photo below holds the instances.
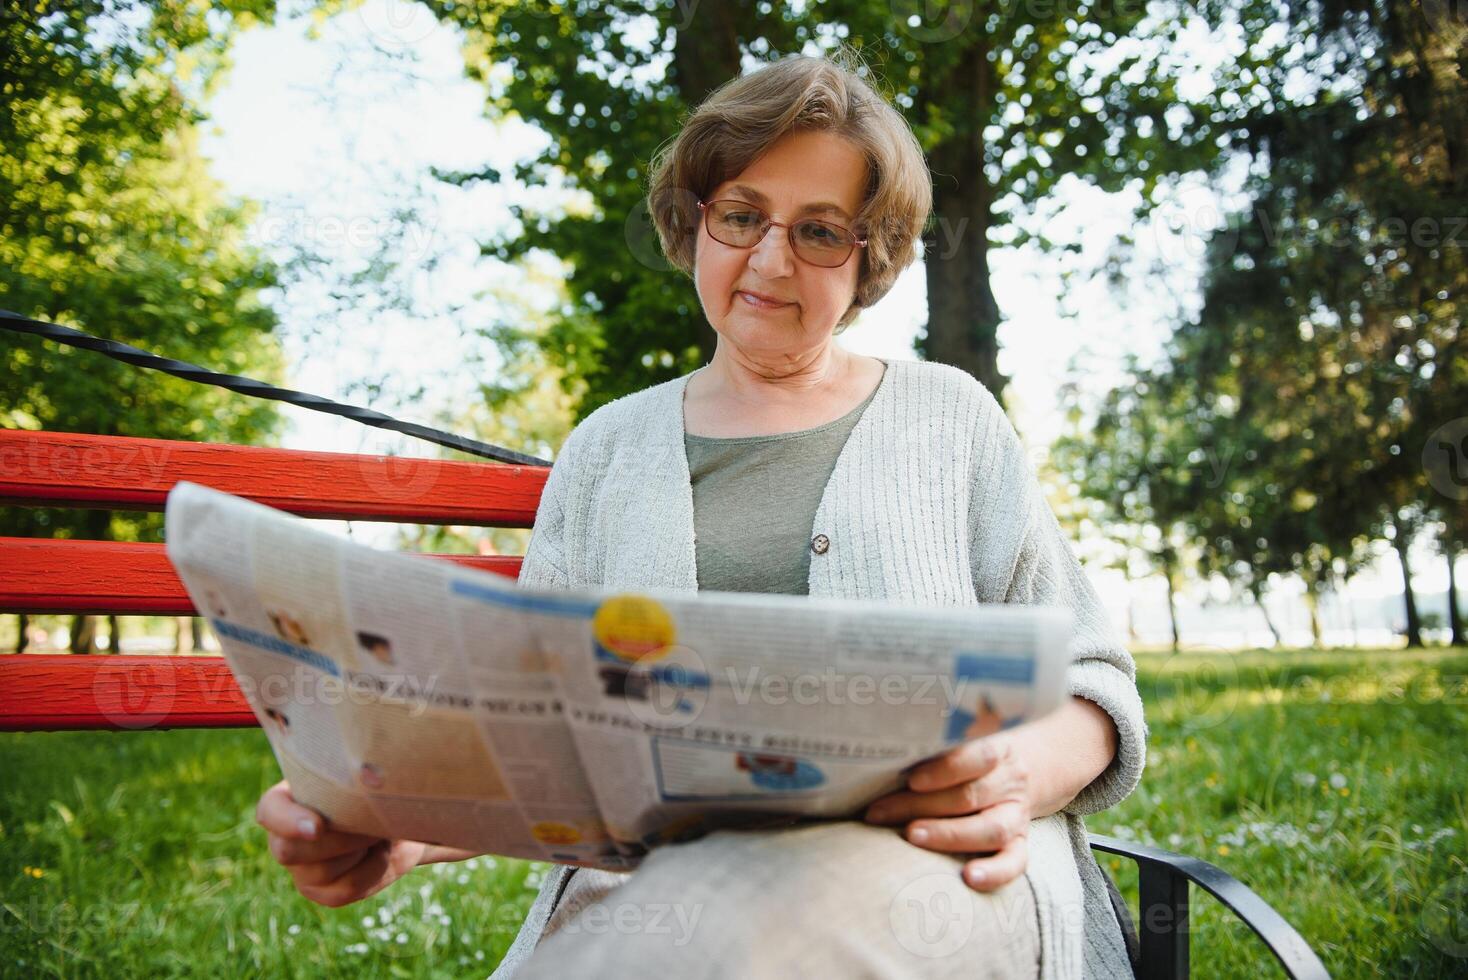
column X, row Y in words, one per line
column 827, row 898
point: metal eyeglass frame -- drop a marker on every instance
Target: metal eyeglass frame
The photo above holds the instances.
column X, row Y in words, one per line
column 789, row 227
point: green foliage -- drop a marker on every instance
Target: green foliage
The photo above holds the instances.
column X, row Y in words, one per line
column 1006, row 98
column 627, row 322
column 109, row 222
column 1330, row 344
column 1143, row 472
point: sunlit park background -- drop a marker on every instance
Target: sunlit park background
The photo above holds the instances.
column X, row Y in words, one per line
column 1211, row 255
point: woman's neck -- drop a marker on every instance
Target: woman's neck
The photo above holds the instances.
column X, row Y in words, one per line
column 766, row 383
column 719, row 406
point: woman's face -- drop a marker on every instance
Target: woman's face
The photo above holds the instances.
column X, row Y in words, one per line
column 797, row 174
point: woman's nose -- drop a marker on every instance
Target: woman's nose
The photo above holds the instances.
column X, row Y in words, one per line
column 772, row 257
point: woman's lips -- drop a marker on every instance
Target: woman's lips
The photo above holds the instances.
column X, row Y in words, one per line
column 759, row 304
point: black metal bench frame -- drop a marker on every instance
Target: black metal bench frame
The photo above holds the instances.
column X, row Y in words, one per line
column 1161, row 949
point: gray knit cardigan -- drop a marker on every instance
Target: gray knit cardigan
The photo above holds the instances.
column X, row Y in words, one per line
column 932, row 501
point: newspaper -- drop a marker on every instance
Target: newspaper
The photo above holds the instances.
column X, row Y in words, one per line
column 409, row 697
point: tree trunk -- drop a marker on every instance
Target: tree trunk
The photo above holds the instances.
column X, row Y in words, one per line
column 706, row 55
column 1312, row 602
column 183, row 635
column 1401, row 541
column 23, row 625
column 1455, row 618
column 1172, row 606
column 114, row 635
column 1131, row 616
column 1351, row 609
column 1258, row 595
column 83, row 634
column 96, row 526
column 963, row 315
column 196, row 631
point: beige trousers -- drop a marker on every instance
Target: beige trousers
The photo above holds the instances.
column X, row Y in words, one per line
column 827, row 899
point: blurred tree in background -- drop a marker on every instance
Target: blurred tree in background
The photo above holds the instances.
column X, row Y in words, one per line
column 110, row 223
column 1329, row 352
column 1006, row 99
column 1311, row 416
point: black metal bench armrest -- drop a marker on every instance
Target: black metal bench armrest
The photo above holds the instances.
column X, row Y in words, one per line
column 1163, row 879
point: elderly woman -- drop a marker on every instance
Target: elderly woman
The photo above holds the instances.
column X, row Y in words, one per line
column 793, row 196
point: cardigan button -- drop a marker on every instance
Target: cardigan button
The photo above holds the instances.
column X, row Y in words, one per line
column 819, row 544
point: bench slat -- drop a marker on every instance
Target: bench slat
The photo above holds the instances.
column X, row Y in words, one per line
column 69, row 469
column 44, row 575
column 45, row 693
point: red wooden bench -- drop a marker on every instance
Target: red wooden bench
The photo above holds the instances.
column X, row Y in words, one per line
column 53, row 693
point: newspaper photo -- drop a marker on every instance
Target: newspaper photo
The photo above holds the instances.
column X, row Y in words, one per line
column 410, row 697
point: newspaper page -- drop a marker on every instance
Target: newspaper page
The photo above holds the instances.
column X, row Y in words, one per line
column 409, row 697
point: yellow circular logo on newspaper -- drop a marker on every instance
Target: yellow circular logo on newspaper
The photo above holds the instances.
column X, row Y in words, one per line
column 551, row 832
column 634, row 627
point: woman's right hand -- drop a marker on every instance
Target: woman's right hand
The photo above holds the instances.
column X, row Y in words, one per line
column 331, row 867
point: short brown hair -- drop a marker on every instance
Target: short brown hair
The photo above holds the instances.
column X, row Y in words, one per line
column 744, row 117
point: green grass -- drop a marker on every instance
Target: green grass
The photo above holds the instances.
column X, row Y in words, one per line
column 151, row 865
column 1334, row 784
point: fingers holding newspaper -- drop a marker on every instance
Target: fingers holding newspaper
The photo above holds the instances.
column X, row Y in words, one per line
column 980, row 796
column 330, row 867
column 974, row 798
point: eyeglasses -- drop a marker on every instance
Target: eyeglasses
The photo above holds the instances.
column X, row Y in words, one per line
column 739, row 224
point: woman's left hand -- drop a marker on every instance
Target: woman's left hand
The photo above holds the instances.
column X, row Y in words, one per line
column 975, row 798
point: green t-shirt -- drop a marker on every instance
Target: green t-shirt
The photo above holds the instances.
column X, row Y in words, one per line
column 755, row 501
